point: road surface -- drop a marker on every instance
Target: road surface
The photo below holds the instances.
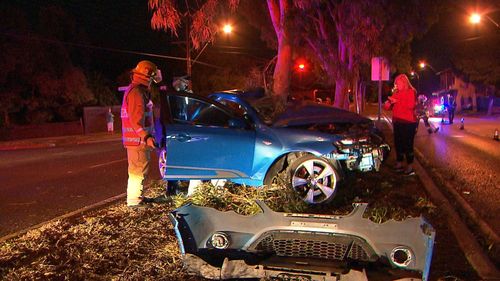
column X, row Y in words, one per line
column 40, row 184
column 469, row 162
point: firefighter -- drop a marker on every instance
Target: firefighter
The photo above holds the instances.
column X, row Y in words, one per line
column 138, row 129
column 422, row 113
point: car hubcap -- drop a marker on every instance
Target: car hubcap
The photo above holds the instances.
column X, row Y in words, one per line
column 162, row 162
column 315, row 180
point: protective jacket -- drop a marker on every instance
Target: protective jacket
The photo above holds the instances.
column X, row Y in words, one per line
column 403, row 110
column 136, row 115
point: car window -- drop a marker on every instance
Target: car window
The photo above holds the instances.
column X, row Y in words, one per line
column 234, row 106
column 189, row 110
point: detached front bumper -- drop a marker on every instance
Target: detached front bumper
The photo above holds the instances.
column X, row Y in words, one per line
column 225, row 245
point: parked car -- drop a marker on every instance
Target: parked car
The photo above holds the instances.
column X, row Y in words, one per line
column 308, row 148
column 293, row 246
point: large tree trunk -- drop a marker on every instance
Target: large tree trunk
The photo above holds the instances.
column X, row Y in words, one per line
column 281, row 77
column 340, row 93
column 279, row 12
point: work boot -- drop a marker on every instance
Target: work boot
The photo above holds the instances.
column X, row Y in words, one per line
column 141, row 205
column 162, row 199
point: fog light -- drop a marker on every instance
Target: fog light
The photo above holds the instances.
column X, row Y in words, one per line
column 401, row 256
column 219, row 240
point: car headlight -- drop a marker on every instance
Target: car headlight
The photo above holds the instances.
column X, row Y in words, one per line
column 219, row 240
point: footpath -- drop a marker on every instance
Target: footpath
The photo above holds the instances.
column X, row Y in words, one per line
column 59, row 141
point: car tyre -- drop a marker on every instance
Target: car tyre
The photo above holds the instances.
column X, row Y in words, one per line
column 314, row 178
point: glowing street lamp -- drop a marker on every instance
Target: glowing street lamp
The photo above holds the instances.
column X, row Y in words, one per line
column 423, row 65
column 227, row 28
column 475, row 18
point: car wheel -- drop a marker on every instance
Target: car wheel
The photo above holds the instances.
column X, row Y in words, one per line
column 162, row 162
column 314, row 178
column 276, row 175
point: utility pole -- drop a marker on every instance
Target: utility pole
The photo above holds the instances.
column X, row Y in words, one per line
column 188, row 48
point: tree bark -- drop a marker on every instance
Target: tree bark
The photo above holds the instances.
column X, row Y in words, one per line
column 279, row 10
column 339, row 93
column 281, row 86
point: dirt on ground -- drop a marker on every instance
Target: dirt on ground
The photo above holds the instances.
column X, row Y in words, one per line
column 116, row 243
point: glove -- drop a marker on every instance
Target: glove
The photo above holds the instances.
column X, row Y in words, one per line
column 150, row 141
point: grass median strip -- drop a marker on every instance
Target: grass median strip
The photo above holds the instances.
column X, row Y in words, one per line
column 117, row 243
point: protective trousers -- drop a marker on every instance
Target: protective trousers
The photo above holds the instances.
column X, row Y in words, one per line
column 138, row 167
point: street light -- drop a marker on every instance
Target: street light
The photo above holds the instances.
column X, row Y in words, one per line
column 423, row 65
column 475, row 18
column 227, row 29
column 414, row 74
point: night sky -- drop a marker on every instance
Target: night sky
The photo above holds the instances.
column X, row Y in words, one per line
column 122, row 27
column 454, row 33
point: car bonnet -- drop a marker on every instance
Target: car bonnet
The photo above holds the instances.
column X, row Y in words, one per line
column 311, row 113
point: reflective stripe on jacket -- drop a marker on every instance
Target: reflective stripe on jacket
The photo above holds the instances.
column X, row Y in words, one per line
column 136, row 115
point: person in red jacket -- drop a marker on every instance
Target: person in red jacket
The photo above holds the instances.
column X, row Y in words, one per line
column 138, row 128
column 404, row 121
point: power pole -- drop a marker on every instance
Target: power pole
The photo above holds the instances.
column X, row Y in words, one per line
column 188, row 47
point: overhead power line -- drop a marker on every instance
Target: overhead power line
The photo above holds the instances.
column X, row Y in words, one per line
column 53, row 41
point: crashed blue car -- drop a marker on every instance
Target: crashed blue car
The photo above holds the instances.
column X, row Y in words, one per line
column 309, row 147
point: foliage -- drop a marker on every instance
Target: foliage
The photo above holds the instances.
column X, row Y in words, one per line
column 38, row 77
column 202, row 17
column 479, row 62
column 344, row 35
column 103, row 95
column 241, row 199
column 232, row 72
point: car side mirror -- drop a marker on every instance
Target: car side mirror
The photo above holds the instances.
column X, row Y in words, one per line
column 237, row 123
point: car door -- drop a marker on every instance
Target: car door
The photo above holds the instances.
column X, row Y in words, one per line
column 205, row 140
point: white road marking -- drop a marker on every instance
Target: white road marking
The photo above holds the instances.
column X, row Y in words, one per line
column 108, row 163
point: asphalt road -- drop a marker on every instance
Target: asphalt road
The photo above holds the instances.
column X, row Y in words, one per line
column 40, row 184
column 469, row 162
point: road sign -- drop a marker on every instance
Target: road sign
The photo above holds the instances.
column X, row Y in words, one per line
column 380, row 69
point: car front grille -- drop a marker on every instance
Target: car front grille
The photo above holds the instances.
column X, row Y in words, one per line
column 314, row 245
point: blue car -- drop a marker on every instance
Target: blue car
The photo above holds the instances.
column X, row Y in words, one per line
column 224, row 136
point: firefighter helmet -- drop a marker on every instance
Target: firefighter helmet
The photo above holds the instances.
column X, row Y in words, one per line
column 148, row 70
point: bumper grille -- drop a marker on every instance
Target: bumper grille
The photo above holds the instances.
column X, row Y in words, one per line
column 314, row 245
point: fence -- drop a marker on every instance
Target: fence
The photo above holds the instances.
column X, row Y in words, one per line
column 94, row 118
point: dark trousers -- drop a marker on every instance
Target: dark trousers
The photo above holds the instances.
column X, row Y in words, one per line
column 451, row 114
column 404, row 134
